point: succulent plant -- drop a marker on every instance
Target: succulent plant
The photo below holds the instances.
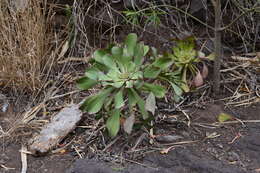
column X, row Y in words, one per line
column 119, row 70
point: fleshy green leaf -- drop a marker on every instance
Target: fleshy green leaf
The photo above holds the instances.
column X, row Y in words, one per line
column 201, row 54
column 117, row 84
column 113, row 123
column 92, row 73
column 224, row 117
column 98, row 55
column 154, row 52
column 139, row 53
column 150, row 103
column 129, row 84
column 117, row 53
column 113, row 74
column 130, row 66
column 177, row 98
column 184, row 84
column 130, row 43
column 94, row 103
column 100, row 67
column 119, row 100
column 151, row 72
column 109, row 62
column 184, row 51
column 163, row 63
column 146, row 49
column 211, row 57
column 107, row 103
column 140, row 103
column 126, row 58
column 103, row 77
column 178, row 91
column 131, row 98
column 85, row 83
column 157, row 90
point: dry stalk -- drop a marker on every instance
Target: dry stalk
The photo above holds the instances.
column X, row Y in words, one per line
column 23, row 44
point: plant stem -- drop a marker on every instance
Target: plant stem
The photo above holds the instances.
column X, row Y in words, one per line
column 216, row 81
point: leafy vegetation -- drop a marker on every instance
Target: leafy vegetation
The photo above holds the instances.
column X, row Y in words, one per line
column 120, row 72
column 173, row 67
column 125, row 78
column 184, row 57
column 150, row 15
column 223, row 117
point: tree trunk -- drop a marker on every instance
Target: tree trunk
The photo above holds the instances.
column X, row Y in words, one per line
column 218, row 52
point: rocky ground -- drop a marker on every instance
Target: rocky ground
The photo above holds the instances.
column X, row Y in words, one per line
column 231, row 148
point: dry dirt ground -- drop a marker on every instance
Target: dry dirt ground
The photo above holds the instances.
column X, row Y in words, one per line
column 231, row 148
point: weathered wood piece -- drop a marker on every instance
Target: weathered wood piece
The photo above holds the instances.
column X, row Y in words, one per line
column 62, row 124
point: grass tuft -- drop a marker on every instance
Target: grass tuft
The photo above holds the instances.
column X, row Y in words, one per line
column 23, row 44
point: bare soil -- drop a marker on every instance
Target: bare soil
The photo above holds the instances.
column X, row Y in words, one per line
column 233, row 148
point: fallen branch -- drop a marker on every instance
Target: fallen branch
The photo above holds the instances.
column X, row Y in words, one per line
column 24, row 159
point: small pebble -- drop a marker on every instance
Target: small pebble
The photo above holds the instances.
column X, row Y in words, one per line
column 220, row 146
